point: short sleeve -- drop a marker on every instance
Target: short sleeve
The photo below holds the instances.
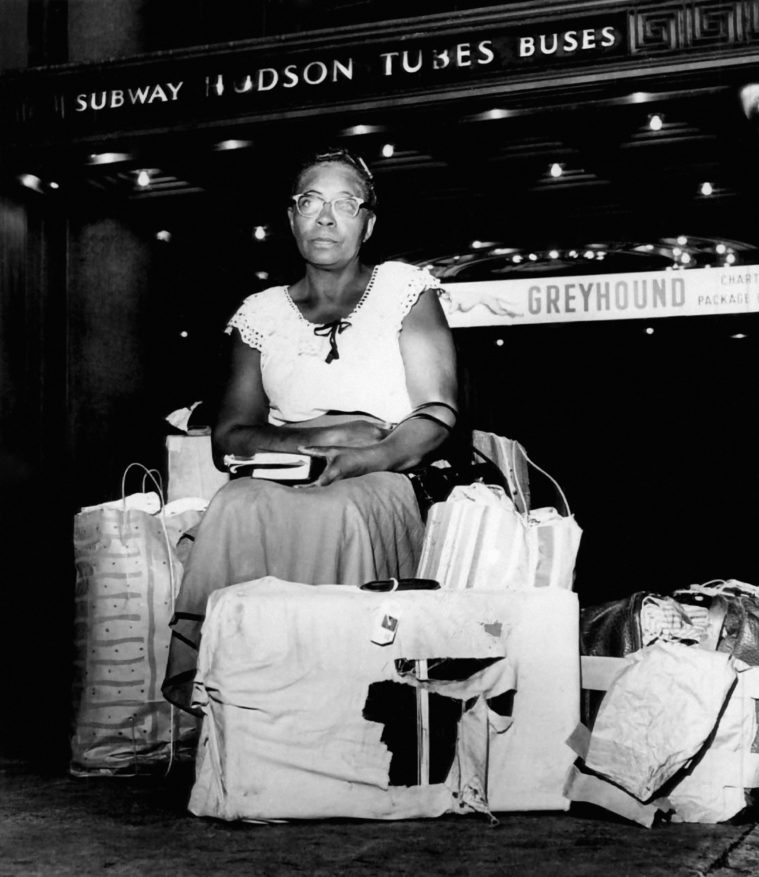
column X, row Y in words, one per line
column 411, row 281
column 253, row 319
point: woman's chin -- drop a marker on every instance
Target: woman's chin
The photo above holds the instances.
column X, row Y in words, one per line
column 326, row 259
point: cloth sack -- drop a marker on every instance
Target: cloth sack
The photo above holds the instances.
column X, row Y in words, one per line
column 127, row 574
column 480, row 539
column 657, row 715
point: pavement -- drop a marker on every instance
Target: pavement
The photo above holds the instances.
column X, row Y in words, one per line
column 55, row 824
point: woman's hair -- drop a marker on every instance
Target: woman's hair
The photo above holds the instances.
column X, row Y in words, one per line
column 348, row 158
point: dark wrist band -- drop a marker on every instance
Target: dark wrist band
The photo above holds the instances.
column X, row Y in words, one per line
column 434, row 404
column 422, row 416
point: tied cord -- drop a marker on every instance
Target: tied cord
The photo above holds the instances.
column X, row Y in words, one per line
column 331, row 331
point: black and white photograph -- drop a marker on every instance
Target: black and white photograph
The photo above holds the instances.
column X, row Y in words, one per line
column 379, row 438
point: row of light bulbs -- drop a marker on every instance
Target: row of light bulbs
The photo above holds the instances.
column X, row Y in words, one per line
column 649, row 330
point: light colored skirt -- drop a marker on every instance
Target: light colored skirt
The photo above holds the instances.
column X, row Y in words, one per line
column 350, row 532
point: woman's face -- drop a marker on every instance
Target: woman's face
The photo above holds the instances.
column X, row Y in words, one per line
column 330, row 239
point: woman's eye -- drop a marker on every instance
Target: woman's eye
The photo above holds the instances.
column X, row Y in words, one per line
column 346, row 206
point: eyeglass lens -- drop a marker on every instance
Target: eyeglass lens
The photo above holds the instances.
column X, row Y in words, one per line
column 310, row 205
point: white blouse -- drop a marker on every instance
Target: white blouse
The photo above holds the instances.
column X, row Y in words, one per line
column 368, row 374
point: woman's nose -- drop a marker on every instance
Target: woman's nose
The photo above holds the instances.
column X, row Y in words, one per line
column 326, row 216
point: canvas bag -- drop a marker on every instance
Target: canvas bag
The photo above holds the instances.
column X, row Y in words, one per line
column 479, row 538
column 127, row 576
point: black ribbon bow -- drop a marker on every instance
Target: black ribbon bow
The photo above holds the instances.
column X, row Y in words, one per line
column 331, row 331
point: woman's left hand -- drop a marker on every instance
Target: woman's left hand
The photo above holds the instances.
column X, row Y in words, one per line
column 342, row 462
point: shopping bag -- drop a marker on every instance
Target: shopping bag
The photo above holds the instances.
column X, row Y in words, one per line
column 127, row 576
column 479, row 538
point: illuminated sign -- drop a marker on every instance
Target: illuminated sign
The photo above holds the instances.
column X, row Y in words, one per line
column 254, row 79
column 689, row 293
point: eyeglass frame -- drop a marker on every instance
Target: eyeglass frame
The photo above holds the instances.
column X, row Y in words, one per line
column 325, row 201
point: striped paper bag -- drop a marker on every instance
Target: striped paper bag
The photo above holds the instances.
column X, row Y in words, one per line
column 127, row 574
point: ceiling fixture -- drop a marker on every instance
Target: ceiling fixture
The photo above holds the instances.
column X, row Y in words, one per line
column 107, row 157
column 260, row 233
column 31, row 182
column 720, row 249
column 682, row 240
column 354, row 130
column 556, row 170
column 163, row 235
column 649, row 330
column 553, row 254
column 388, row 150
column 739, row 335
column 493, row 114
column 656, row 121
column 232, row 144
column 707, row 189
column 143, row 179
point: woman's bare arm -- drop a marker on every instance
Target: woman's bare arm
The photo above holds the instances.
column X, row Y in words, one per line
column 242, row 426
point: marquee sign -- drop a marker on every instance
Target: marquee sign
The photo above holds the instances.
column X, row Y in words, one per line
column 253, row 80
column 633, row 296
column 508, row 53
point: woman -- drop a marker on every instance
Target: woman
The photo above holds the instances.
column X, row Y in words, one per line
column 353, row 365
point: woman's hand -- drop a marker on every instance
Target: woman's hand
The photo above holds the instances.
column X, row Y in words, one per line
column 343, row 462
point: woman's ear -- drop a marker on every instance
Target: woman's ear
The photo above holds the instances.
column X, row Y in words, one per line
column 369, row 227
column 291, row 218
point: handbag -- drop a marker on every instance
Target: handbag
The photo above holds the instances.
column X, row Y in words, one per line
column 127, row 576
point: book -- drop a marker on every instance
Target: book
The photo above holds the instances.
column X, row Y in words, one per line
column 272, row 465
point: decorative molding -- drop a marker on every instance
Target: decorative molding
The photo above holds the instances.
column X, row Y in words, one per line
column 715, row 23
column 672, row 27
column 751, row 19
column 654, row 29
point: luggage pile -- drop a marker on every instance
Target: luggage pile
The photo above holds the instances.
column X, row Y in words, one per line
column 670, row 704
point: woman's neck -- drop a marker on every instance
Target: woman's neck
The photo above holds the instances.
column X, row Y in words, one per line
column 334, row 285
column 323, row 295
